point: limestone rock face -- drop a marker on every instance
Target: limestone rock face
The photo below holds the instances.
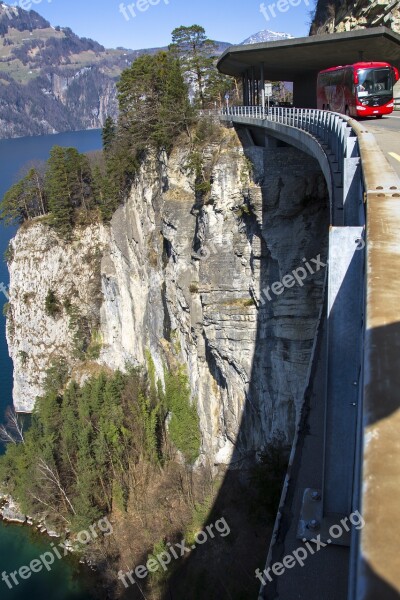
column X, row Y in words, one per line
column 180, row 273
column 341, row 15
column 43, row 263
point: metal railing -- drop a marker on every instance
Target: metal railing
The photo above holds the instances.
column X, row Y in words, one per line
column 315, row 121
column 332, row 130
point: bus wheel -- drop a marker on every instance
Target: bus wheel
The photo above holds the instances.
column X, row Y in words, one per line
column 379, row 116
column 347, row 111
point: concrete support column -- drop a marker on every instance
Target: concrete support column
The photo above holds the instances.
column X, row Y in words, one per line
column 262, row 78
column 247, row 84
column 253, row 87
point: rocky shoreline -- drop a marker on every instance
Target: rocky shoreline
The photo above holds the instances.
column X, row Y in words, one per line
column 10, row 512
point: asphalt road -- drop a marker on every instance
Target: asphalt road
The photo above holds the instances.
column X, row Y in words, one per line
column 387, row 133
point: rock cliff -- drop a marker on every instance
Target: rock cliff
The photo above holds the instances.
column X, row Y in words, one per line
column 340, row 15
column 179, row 273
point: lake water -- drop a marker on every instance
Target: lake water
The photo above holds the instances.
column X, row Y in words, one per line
column 19, row 545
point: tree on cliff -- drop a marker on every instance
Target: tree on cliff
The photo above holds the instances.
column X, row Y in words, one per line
column 25, row 199
column 108, row 133
column 153, row 101
column 80, row 179
column 58, row 190
column 196, row 54
column 154, row 110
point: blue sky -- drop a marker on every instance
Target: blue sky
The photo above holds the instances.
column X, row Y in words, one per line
column 225, row 20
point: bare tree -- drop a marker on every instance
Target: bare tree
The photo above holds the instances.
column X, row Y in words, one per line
column 51, row 476
column 12, row 432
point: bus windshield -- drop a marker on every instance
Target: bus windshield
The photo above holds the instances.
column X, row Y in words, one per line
column 374, row 82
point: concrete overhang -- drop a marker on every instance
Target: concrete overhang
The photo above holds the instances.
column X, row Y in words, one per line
column 292, row 59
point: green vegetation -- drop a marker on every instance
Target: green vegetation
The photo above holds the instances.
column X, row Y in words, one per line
column 23, row 356
column 9, row 253
column 52, row 304
column 27, row 297
column 95, row 345
column 184, row 428
column 197, row 54
column 153, row 99
column 80, row 455
column 195, row 51
column 25, row 199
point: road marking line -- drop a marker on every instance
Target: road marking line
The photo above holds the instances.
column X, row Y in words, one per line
column 394, row 155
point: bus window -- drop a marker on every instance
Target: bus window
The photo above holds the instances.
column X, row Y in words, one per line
column 383, row 81
column 374, row 81
column 348, row 79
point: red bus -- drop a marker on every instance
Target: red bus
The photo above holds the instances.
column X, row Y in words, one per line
column 364, row 89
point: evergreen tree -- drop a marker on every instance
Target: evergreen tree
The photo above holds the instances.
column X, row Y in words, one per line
column 24, row 200
column 197, row 53
column 13, row 206
column 80, row 179
column 108, row 133
column 153, row 99
column 58, row 190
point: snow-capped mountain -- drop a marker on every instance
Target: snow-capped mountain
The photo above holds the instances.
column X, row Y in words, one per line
column 266, row 36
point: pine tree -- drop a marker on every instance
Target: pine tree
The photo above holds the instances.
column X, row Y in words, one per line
column 80, row 179
column 108, row 133
column 58, row 190
column 13, row 207
column 154, row 104
column 24, row 200
column 196, row 52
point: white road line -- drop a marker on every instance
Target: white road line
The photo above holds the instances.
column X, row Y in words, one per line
column 394, row 155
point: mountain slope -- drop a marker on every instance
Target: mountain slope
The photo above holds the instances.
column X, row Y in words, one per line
column 52, row 80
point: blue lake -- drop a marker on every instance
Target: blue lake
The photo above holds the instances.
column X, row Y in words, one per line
column 19, row 545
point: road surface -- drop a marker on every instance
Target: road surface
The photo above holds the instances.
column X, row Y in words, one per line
column 387, row 134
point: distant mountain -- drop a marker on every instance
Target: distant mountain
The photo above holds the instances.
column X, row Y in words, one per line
column 51, row 80
column 266, row 36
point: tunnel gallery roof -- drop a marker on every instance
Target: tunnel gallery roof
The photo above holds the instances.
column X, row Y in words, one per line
column 289, row 59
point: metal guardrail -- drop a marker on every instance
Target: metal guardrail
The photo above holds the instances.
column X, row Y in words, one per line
column 328, row 129
column 333, row 130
